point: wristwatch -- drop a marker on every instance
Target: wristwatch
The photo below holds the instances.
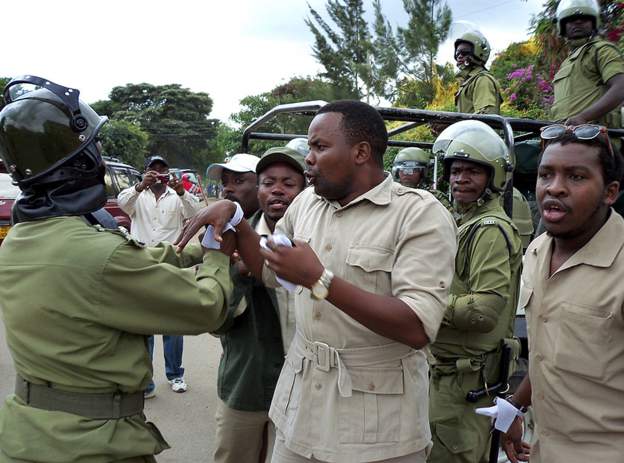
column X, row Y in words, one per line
column 320, row 289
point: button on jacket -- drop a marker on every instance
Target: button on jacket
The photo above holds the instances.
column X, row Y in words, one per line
column 576, row 349
column 159, row 220
column 77, row 304
column 346, row 393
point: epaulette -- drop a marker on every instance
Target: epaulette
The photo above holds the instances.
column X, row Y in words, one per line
column 125, row 234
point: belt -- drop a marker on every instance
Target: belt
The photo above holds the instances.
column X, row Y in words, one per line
column 325, row 357
column 96, row 406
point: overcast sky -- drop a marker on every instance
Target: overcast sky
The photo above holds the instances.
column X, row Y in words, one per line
column 230, row 48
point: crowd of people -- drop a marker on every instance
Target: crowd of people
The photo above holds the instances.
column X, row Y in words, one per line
column 363, row 314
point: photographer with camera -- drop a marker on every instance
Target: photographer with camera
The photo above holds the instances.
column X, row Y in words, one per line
column 158, row 207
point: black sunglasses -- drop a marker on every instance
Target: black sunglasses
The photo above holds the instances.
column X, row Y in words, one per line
column 581, row 132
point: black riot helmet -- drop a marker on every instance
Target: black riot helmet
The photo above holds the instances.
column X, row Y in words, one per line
column 42, row 126
column 48, row 145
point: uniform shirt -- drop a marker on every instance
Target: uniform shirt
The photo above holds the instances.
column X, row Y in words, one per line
column 394, row 241
column 582, row 77
column 77, row 304
column 576, row 348
column 479, row 92
column 154, row 221
column 485, row 287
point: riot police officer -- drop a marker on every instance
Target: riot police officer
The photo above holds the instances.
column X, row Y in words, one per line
column 483, row 293
column 411, row 168
column 589, row 85
column 479, row 91
column 78, row 300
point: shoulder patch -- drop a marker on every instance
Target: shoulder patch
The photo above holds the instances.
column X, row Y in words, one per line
column 488, row 221
column 125, row 234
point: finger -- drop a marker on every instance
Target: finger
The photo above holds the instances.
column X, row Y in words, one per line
column 188, row 232
column 219, row 230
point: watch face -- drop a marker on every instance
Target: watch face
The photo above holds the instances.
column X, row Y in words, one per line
column 319, row 291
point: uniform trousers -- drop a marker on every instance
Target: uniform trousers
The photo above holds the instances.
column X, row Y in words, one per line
column 281, row 454
column 239, row 435
column 459, row 434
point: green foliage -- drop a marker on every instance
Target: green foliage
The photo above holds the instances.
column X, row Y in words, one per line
column 175, row 118
column 516, row 55
column 344, row 52
column 126, row 141
column 406, row 56
column 226, row 143
column 3, row 82
column 297, row 89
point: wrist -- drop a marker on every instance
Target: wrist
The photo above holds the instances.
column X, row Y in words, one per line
column 510, row 398
column 139, row 188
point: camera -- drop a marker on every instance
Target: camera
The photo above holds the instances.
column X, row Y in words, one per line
column 163, row 178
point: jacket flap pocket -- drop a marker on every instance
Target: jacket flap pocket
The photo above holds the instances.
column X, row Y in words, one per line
column 563, row 73
column 370, row 259
column 377, row 380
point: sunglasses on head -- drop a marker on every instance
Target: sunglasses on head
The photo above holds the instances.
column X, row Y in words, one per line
column 581, row 132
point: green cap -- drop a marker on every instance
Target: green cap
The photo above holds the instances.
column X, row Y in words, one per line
column 282, row 154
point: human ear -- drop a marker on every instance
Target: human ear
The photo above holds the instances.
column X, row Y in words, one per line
column 611, row 192
column 362, row 152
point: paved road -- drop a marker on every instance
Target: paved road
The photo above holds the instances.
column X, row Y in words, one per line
column 186, row 420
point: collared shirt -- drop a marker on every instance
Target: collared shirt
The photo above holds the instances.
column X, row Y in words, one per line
column 156, row 220
column 77, row 303
column 479, row 92
column 394, row 241
column 285, row 298
column 576, row 349
column 582, row 80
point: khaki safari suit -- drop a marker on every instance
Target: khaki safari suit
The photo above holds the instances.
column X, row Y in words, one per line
column 345, row 393
column 576, row 348
column 78, row 302
column 479, row 92
column 479, row 316
column 582, row 77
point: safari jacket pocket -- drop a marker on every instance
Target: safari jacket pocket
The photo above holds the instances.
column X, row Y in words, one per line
column 288, row 386
column 583, row 338
column 370, row 267
column 373, row 412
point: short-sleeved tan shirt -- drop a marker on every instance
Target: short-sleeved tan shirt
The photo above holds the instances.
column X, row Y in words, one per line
column 576, row 348
column 392, row 240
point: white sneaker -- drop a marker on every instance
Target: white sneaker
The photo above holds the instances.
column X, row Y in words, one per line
column 178, row 385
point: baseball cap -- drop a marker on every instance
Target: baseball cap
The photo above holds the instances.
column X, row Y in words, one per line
column 282, row 154
column 156, row 158
column 238, row 163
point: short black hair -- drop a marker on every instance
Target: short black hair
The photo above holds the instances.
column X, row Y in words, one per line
column 361, row 122
column 612, row 166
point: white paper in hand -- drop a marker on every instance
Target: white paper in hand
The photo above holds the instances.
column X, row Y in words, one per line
column 280, row 240
column 503, row 414
column 209, row 240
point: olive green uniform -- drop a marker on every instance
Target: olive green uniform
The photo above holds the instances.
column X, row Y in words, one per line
column 479, row 315
column 479, row 92
column 581, row 80
column 78, row 302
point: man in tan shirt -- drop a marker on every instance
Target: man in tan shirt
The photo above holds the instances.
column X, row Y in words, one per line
column 571, row 291
column 354, row 387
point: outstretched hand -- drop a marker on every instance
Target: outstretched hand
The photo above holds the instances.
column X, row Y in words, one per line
column 217, row 214
column 512, row 443
column 299, row 264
